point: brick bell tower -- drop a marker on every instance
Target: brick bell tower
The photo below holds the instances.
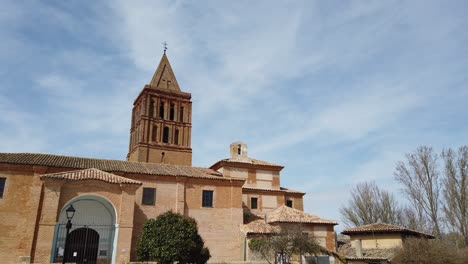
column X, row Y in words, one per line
column 162, row 121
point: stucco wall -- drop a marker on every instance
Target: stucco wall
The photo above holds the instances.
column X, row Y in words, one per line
column 378, row 240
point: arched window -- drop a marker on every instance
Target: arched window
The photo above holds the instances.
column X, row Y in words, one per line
column 166, row 135
column 151, row 108
column 161, row 110
column 238, row 149
column 181, row 114
column 176, row 137
column 171, row 112
column 153, row 133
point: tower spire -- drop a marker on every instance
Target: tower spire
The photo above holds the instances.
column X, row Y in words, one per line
column 164, row 77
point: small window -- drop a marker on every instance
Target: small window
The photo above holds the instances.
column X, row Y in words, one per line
column 171, row 112
column 181, row 114
column 254, row 203
column 166, row 135
column 153, row 133
column 161, row 110
column 289, row 203
column 239, row 150
column 207, row 199
column 149, row 196
column 2, row 186
column 176, row 137
column 151, row 108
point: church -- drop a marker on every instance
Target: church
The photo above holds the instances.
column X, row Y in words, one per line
column 108, row 201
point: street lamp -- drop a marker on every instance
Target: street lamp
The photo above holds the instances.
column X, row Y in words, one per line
column 70, row 213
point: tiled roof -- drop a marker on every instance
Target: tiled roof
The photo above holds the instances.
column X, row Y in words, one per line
column 111, row 165
column 367, row 254
column 285, row 214
column 259, row 227
column 282, row 189
column 384, row 228
column 90, row 174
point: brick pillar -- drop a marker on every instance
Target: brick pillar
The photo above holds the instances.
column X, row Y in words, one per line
column 125, row 220
column 180, row 195
column 48, row 219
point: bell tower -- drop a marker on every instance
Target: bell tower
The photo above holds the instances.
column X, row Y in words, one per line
column 162, row 121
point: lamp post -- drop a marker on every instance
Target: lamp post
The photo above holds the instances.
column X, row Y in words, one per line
column 70, row 213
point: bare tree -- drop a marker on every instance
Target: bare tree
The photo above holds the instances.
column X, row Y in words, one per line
column 419, row 176
column 369, row 205
column 456, row 190
column 414, row 218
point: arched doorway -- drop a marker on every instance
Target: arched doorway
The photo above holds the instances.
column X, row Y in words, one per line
column 85, row 242
column 92, row 237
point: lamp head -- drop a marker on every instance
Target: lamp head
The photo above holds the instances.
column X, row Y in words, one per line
column 70, row 212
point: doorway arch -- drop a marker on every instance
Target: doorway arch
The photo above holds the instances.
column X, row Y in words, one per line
column 93, row 235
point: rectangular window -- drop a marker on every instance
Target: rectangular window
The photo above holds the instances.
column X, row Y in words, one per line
column 153, row 133
column 207, row 199
column 149, row 196
column 161, row 110
column 2, row 186
column 171, row 112
column 166, row 135
column 176, row 137
column 289, row 203
column 254, row 203
column 181, row 114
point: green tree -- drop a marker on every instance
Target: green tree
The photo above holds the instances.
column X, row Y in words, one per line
column 172, row 237
column 290, row 241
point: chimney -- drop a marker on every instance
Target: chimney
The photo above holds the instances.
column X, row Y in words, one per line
column 358, row 247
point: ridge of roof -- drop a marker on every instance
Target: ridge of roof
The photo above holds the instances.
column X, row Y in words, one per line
column 383, row 228
column 90, row 174
column 111, row 165
column 249, row 161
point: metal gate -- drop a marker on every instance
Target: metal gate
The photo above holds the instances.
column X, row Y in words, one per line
column 90, row 244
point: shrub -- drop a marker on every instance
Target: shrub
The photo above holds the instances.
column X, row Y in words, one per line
column 423, row 251
column 172, row 237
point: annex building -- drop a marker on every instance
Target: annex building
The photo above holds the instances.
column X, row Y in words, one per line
column 114, row 198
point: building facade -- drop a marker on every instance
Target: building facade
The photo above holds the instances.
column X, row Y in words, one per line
column 114, row 198
column 375, row 243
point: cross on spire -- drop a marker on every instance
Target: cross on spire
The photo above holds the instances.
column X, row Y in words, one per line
column 165, row 46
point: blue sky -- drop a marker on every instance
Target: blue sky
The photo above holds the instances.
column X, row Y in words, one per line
column 336, row 91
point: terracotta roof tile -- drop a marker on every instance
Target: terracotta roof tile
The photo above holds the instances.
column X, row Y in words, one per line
column 111, row 165
column 90, row 174
column 285, row 214
column 259, row 227
column 384, row 228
